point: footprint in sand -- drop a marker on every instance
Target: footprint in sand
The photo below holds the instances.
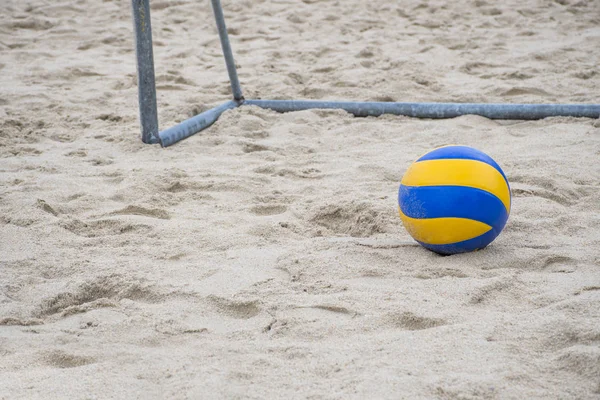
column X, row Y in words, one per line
column 44, row 206
column 103, row 227
column 520, row 91
column 235, row 308
column 353, row 219
column 546, row 188
column 270, row 209
column 145, row 212
column 77, row 153
column 412, row 322
column 96, row 293
column 62, row 359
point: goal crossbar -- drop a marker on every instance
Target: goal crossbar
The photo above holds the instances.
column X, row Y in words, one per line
column 191, row 126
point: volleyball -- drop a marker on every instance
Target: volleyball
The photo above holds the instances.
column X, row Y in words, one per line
column 454, row 199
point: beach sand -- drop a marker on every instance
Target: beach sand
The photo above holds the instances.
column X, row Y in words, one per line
column 264, row 257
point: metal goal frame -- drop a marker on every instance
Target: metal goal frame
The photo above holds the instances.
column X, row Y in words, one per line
column 191, row 126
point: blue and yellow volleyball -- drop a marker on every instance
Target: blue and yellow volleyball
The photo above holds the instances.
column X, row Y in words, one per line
column 454, row 199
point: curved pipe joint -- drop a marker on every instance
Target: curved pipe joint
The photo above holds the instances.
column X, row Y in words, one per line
column 194, row 125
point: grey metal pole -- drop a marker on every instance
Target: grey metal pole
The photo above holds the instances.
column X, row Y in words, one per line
column 226, row 46
column 438, row 110
column 195, row 124
column 145, row 70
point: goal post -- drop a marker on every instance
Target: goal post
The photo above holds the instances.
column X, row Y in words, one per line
column 191, row 126
column 145, row 71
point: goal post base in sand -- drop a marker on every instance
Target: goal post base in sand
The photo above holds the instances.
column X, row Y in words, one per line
column 189, row 127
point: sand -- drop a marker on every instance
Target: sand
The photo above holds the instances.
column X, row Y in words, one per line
column 264, row 258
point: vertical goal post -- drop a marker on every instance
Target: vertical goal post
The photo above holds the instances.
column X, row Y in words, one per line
column 191, row 126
